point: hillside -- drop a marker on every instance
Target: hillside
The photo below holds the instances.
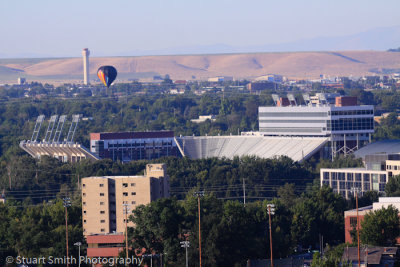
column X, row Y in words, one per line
column 295, row 65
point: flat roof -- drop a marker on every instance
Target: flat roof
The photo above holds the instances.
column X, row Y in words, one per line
column 384, row 147
column 131, row 135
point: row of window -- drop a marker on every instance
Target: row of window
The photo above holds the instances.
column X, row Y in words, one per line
column 124, row 185
column 341, row 176
column 111, row 203
column 132, row 145
column 350, row 185
column 348, row 124
column 392, row 167
column 351, row 112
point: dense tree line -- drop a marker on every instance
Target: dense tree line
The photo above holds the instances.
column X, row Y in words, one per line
column 39, row 230
column 235, row 112
column 23, row 176
column 232, row 232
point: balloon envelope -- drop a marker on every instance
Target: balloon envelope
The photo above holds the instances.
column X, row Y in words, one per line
column 107, row 75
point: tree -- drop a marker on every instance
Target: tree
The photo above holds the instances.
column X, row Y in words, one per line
column 392, row 188
column 380, row 227
column 287, row 195
column 158, row 228
column 329, row 261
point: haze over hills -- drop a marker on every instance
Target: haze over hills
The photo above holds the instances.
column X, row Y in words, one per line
column 380, row 39
column 295, row 65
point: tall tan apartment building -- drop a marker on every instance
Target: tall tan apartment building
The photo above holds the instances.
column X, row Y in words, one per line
column 104, row 199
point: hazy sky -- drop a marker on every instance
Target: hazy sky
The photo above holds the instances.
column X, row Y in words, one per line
column 64, row 27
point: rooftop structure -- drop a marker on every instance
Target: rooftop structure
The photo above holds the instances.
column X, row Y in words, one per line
column 105, row 245
column 371, row 256
column 204, row 118
column 384, row 147
column 127, row 146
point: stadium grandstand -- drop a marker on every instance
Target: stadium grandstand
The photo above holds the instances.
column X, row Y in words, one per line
column 65, row 151
column 297, row 148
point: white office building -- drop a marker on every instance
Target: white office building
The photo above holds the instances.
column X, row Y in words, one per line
column 348, row 127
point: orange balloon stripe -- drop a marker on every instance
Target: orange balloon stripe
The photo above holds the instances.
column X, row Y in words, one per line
column 102, row 77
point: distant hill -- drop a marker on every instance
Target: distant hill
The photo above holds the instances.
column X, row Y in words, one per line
column 290, row 64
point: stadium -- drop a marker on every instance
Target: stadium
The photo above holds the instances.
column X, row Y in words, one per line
column 322, row 128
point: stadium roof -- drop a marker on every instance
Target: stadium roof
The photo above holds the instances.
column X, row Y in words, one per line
column 297, row 148
column 380, row 148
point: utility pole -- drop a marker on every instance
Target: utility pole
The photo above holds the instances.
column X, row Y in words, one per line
column 67, row 203
column 9, row 176
column 199, row 194
column 244, row 193
column 271, row 211
column 186, row 244
column 126, row 210
column 356, row 190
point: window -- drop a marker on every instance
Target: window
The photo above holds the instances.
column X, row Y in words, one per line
column 124, row 202
column 102, row 212
column 102, row 230
column 101, row 203
column 84, row 194
column 84, row 212
column 101, row 185
column 133, row 193
column 83, row 185
column 102, row 221
column 84, row 203
column 125, row 194
column 133, row 202
column 102, row 194
column 133, row 184
column 125, row 184
column 84, row 221
column 353, row 221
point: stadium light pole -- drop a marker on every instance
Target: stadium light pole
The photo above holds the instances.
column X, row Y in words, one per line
column 271, row 211
column 356, row 190
column 67, row 203
column 199, row 194
column 186, row 244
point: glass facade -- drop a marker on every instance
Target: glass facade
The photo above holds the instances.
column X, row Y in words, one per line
column 346, row 180
column 350, row 124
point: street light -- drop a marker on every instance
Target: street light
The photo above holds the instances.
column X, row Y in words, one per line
column 271, row 211
column 66, row 203
column 151, row 258
column 186, row 244
column 356, row 190
column 199, row 194
column 79, row 244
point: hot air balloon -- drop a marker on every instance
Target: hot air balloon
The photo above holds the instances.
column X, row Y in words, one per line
column 107, row 75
